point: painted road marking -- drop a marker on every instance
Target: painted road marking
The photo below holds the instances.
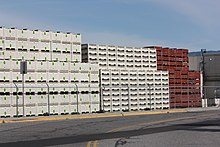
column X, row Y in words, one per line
column 155, row 122
column 92, row 116
column 92, row 144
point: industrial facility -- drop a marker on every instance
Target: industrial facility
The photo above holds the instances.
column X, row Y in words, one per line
column 207, row 62
column 65, row 77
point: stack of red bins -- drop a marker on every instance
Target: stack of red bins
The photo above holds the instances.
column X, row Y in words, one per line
column 184, row 84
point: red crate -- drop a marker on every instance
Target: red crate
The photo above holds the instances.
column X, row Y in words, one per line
column 171, row 71
column 184, row 80
column 165, row 63
column 185, row 64
column 179, row 63
column 159, row 58
column 185, row 69
column 171, row 75
column 159, row 63
column 185, row 59
column 172, row 58
column 179, row 59
column 184, row 77
column 165, row 58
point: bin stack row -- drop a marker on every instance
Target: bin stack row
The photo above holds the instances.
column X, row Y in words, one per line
column 133, row 90
column 120, row 57
column 64, row 82
column 128, row 77
column 55, row 86
column 39, row 45
column 184, row 84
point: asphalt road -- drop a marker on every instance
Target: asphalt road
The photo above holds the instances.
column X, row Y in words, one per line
column 171, row 130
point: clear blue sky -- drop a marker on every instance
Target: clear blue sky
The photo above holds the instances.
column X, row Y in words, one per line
column 192, row 24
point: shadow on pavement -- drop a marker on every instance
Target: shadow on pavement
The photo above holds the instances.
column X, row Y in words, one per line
column 121, row 134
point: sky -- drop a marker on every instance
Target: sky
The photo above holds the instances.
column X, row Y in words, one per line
column 191, row 24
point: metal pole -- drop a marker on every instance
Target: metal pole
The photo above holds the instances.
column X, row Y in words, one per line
column 202, row 74
column 150, row 94
column 128, row 98
column 188, row 95
column 23, row 93
column 16, row 98
column 101, row 99
column 48, row 98
column 77, row 98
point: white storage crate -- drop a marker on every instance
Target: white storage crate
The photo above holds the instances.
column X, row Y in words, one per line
column 64, row 77
column 66, row 57
column 30, row 99
column 45, row 46
column 10, row 33
column 76, row 58
column 30, row 77
column 73, row 96
column 2, row 55
column 16, row 77
column 76, row 48
column 85, row 108
column 64, row 108
column 54, row 109
column 67, row 37
column 41, row 89
column 95, row 108
column 5, row 100
column 10, row 44
column 5, row 65
column 73, row 109
column 31, row 56
column 5, row 111
column 56, row 46
column 56, row 36
column 34, row 34
column 18, row 55
column 64, row 66
column 53, row 77
column 66, row 47
column 14, row 111
column 76, row 38
column 23, row 33
column 55, row 99
column 43, row 56
column 84, row 98
column 5, row 77
column 23, row 45
column 1, row 32
column 30, row 110
column 52, row 66
column 42, row 66
column 41, row 77
column 31, row 65
column 42, row 104
column 94, row 67
column 93, row 78
column 45, row 35
column 56, row 56
column 64, row 98
column 95, row 97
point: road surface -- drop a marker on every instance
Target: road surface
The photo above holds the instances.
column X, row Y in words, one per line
column 168, row 130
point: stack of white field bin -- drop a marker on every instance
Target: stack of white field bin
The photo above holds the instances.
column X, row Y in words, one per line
column 56, row 81
column 129, row 78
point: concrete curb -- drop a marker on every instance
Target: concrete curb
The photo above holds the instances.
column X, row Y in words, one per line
column 90, row 116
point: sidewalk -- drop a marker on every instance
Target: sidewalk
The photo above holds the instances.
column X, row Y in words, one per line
column 202, row 109
column 102, row 115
